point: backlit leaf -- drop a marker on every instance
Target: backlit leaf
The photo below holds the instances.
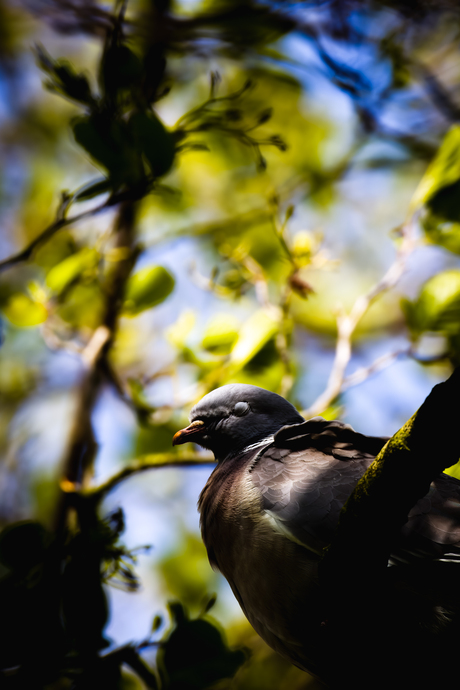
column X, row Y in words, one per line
column 147, row 288
column 220, row 334
column 22, row 311
column 437, row 308
column 443, row 170
column 254, row 334
column 60, row 276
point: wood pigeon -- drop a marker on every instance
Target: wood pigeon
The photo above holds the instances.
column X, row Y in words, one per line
column 272, row 505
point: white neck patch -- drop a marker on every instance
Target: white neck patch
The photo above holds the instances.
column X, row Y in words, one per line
column 263, row 442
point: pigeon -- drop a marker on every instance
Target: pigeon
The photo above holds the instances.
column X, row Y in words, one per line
column 271, row 506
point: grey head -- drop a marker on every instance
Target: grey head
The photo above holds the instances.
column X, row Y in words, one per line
column 235, row 416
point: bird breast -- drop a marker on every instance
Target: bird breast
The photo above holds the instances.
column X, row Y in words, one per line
column 243, row 542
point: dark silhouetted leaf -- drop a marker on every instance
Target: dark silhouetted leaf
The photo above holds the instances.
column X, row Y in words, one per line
column 154, row 141
column 194, row 655
column 93, row 189
column 109, row 143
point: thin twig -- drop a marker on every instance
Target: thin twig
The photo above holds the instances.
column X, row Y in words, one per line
column 51, row 230
column 148, row 462
column 378, row 364
column 347, row 323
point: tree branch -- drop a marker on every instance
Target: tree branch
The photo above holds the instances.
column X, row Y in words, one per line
column 379, row 610
column 81, row 447
column 148, row 462
column 51, row 230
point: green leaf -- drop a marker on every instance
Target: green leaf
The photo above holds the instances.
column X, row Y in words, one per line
column 146, row 289
column 120, row 69
column 444, row 170
column 195, row 655
column 84, row 305
column 446, row 202
column 60, row 276
column 443, row 233
column 254, row 334
column 220, row 334
column 437, row 308
column 22, row 311
column 109, row 143
column 154, row 141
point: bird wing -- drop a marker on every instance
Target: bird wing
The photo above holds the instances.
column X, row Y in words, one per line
column 433, row 525
column 308, row 473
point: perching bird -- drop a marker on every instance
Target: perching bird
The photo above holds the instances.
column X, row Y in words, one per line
column 272, row 504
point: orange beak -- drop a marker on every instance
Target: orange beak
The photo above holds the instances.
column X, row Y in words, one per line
column 195, row 429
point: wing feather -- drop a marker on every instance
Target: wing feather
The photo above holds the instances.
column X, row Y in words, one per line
column 307, row 474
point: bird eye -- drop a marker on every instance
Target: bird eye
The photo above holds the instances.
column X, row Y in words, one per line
column 240, row 409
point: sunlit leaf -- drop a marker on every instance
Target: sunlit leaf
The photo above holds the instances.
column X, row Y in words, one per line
column 177, row 333
column 60, row 276
column 442, row 232
column 147, row 288
column 22, row 311
column 220, row 334
column 443, row 170
column 303, row 246
column 59, row 248
column 84, row 305
column 437, row 308
column 254, row 334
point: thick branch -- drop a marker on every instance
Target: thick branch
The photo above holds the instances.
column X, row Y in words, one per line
column 399, row 476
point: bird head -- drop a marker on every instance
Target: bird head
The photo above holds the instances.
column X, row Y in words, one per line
column 235, row 416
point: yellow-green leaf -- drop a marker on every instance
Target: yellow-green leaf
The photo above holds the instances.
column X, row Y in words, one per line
column 254, row 334
column 22, row 311
column 437, row 308
column 442, row 171
column 60, row 276
column 146, row 289
column 220, row 334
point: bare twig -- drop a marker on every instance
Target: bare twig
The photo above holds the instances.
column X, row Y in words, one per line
column 149, row 462
column 51, row 230
column 347, row 323
column 378, row 364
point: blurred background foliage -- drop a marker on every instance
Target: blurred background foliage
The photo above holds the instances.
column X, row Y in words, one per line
column 191, row 194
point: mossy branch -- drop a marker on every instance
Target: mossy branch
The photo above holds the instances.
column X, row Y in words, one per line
column 400, row 475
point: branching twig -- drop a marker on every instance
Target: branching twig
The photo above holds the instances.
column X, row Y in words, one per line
column 347, row 323
column 378, row 364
